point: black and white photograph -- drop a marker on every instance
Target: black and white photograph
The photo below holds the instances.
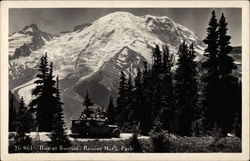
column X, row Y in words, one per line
column 125, row 80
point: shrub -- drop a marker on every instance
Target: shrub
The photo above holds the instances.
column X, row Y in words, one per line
column 198, row 127
column 134, row 143
column 228, row 144
column 160, row 141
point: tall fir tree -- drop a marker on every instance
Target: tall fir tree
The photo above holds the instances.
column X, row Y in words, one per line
column 167, row 114
column 167, row 60
column 211, row 72
column 130, row 111
column 59, row 139
column 146, row 122
column 23, row 124
column 121, row 101
column 228, row 89
column 137, row 105
column 45, row 102
column 185, row 88
column 181, row 76
column 211, row 51
column 51, row 100
column 222, row 88
column 156, row 83
column 111, row 111
column 225, row 62
column 157, row 59
column 37, row 104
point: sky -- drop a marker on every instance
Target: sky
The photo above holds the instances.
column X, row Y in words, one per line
column 56, row 20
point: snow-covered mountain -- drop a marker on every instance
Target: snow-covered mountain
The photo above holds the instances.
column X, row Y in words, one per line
column 91, row 56
column 29, row 39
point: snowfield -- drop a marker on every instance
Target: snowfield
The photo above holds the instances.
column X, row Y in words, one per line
column 16, row 40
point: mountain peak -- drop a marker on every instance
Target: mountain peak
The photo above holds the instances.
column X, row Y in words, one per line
column 157, row 18
column 120, row 13
column 27, row 40
column 123, row 14
column 30, row 29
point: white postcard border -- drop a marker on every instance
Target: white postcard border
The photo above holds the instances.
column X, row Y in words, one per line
column 5, row 5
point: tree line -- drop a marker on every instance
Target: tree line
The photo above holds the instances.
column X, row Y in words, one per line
column 196, row 98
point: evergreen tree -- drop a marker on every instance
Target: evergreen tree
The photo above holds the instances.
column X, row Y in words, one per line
column 130, row 110
column 228, row 86
column 146, row 121
column 211, row 52
column 121, row 100
column 51, row 90
column 22, row 141
column 138, row 80
column 221, row 86
column 210, row 77
column 225, row 62
column 130, row 87
column 45, row 102
column 87, row 103
column 156, row 82
column 168, row 60
column 137, row 105
column 229, row 103
column 12, row 113
column 157, row 60
column 185, row 88
column 58, row 136
column 167, row 115
column 145, row 76
column 50, row 95
column 111, row 111
column 229, row 89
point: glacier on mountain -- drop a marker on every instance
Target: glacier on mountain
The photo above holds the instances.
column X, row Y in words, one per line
column 96, row 53
column 16, row 40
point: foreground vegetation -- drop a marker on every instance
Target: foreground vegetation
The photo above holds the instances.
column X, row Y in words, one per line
column 159, row 143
